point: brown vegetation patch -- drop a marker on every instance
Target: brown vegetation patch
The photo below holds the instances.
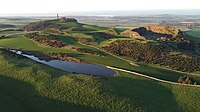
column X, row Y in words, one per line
column 187, row 80
column 111, row 32
column 131, row 34
column 38, row 26
column 42, row 56
column 49, row 40
column 64, row 57
column 154, row 54
column 64, row 19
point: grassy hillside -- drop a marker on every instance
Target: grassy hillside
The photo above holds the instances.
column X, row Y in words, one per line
column 107, row 60
column 195, row 35
column 71, row 25
column 28, row 86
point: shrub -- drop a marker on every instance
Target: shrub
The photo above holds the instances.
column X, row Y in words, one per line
column 186, row 80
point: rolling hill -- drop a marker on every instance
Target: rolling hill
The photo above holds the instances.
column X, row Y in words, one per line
column 61, row 24
column 26, row 85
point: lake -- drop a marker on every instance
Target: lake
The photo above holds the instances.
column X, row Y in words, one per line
column 81, row 68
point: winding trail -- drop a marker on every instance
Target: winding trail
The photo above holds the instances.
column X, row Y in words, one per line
column 152, row 78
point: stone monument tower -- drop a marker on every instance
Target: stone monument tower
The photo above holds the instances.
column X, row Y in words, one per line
column 57, row 16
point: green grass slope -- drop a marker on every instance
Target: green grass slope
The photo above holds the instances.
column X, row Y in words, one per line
column 61, row 25
column 29, row 86
column 107, row 60
column 194, row 35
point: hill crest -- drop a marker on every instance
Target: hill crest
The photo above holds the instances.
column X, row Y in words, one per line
column 37, row 26
column 154, row 32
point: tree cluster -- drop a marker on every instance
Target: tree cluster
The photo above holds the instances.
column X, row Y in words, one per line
column 37, row 26
column 63, row 57
column 49, row 40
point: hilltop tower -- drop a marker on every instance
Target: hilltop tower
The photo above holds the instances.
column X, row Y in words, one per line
column 57, row 16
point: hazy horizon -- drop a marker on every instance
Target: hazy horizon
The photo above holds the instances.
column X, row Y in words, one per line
column 114, row 13
column 94, row 7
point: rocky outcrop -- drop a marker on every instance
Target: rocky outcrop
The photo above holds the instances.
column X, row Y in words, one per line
column 131, row 34
column 157, row 31
column 168, row 35
column 154, row 32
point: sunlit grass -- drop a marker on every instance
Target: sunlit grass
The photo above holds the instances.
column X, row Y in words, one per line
column 29, row 86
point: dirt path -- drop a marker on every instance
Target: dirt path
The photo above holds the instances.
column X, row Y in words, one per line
column 152, row 78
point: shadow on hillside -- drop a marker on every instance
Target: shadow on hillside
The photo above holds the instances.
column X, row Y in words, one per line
column 145, row 94
column 30, row 101
column 68, row 39
column 8, row 37
column 24, row 62
column 163, row 74
column 150, row 34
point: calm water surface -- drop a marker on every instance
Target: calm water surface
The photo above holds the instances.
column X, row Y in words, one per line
column 82, row 68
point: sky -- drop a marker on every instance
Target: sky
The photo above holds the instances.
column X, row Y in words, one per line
column 62, row 6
